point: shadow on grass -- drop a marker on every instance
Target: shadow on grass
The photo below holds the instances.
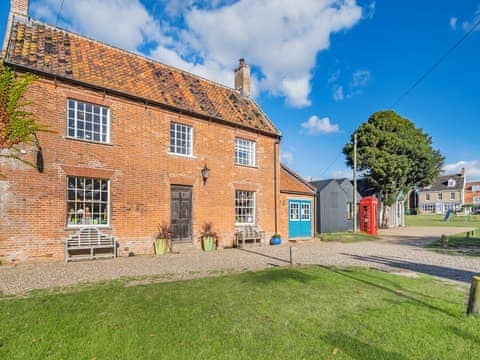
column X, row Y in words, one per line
column 277, row 275
column 358, row 349
column 463, row 334
column 265, row 255
column 435, row 270
column 395, row 291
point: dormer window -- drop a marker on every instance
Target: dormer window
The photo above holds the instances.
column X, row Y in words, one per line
column 451, row 183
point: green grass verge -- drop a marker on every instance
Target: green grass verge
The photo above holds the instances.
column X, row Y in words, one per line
column 278, row 313
column 346, row 237
column 459, row 244
column 437, row 220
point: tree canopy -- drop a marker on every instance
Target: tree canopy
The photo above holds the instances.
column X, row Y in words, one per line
column 394, row 155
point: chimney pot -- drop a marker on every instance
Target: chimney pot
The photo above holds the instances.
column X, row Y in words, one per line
column 242, row 78
column 19, row 7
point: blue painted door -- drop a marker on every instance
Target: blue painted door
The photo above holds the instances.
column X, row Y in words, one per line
column 299, row 218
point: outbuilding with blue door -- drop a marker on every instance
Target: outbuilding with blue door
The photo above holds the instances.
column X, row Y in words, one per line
column 297, row 206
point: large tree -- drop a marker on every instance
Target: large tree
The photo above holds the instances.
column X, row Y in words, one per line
column 393, row 155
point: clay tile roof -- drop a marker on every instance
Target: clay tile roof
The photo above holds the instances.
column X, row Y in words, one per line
column 49, row 50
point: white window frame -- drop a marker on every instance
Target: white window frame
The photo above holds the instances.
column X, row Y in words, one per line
column 349, row 213
column 440, row 196
column 429, row 208
column 427, row 196
column 180, row 150
column 476, row 200
column 77, row 109
column 246, row 209
column 248, row 147
column 452, row 196
column 308, row 207
column 475, row 188
column 294, row 208
column 78, row 205
column 451, row 182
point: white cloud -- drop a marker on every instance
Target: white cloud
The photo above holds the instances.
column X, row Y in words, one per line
column 338, row 93
column 286, row 156
column 472, row 169
column 453, row 23
column 315, row 125
column 279, row 38
column 361, row 78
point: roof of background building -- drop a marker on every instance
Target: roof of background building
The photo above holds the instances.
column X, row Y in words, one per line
column 290, row 181
column 48, row 50
column 441, row 183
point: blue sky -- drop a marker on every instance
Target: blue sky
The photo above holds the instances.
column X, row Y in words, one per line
column 319, row 67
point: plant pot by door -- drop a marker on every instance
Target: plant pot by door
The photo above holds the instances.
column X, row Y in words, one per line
column 276, row 240
column 208, row 243
column 161, row 246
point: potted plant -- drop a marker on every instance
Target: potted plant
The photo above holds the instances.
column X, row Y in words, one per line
column 163, row 239
column 209, row 237
column 276, row 239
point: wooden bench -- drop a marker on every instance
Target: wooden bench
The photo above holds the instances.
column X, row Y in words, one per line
column 86, row 242
column 248, row 233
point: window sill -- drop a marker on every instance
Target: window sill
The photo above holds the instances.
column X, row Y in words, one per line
column 88, row 141
column 182, row 155
column 247, row 166
column 78, row 227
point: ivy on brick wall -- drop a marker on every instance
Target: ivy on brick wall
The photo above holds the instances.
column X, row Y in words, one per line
column 17, row 124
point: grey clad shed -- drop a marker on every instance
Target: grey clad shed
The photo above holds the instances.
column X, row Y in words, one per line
column 334, row 205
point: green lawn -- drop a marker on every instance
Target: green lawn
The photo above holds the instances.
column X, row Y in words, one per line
column 346, row 237
column 437, row 220
column 459, row 244
column 304, row 313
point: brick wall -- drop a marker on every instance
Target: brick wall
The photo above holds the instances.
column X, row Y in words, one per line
column 33, row 205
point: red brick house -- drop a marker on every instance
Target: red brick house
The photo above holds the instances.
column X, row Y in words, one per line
column 472, row 194
column 131, row 138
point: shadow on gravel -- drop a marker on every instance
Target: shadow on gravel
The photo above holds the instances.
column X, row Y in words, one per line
column 435, row 270
column 265, row 255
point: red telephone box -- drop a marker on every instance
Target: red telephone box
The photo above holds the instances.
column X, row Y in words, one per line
column 368, row 215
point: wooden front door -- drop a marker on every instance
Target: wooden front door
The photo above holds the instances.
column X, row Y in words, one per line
column 181, row 213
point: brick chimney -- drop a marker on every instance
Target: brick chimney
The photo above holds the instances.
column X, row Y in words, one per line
column 19, row 7
column 462, row 171
column 242, row 78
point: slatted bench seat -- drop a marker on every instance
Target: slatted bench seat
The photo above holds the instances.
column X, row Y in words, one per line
column 248, row 233
column 89, row 243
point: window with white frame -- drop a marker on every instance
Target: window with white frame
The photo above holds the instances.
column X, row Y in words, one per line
column 88, row 121
column 245, row 152
column 181, row 139
column 451, row 183
column 349, row 213
column 440, row 196
column 306, row 213
column 428, row 208
column 476, row 188
column 427, row 196
column 87, row 201
column 244, row 207
column 476, row 200
column 294, row 211
column 452, row 196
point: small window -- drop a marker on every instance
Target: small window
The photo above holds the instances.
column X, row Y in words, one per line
column 476, row 200
column 349, row 214
column 244, row 207
column 294, row 211
column 452, row 196
column 181, row 139
column 440, row 196
column 427, row 196
column 87, row 201
column 306, row 212
column 476, row 188
column 88, row 121
column 245, row 152
column 451, row 183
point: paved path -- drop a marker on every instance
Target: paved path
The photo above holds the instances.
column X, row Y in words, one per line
column 401, row 250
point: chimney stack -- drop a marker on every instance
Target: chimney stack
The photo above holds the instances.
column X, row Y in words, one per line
column 462, row 171
column 19, row 7
column 242, row 78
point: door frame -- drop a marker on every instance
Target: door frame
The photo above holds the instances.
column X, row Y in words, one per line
column 300, row 202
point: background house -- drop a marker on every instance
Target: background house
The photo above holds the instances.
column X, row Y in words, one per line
column 297, row 206
column 472, row 194
column 446, row 193
column 334, row 205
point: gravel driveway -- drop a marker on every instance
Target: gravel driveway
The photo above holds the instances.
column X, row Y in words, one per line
column 400, row 250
